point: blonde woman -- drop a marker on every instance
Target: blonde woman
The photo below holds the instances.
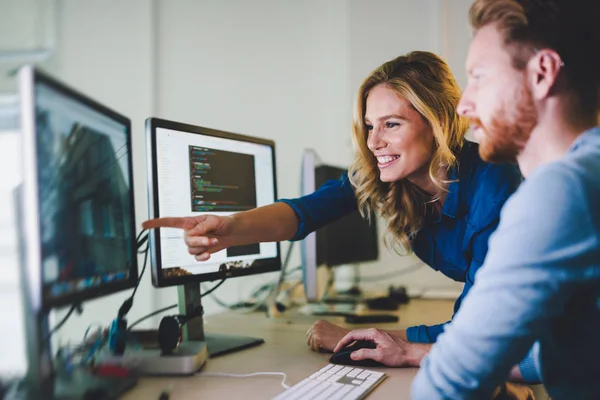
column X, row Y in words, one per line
column 413, row 166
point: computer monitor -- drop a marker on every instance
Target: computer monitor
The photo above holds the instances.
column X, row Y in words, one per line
column 199, row 171
column 75, row 208
column 349, row 240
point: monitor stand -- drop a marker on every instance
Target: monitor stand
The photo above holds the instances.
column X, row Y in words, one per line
column 328, row 310
column 340, row 304
column 194, row 349
column 351, row 296
column 217, row 344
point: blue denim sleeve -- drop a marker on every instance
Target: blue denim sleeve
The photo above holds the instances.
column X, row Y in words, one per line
column 536, row 260
column 330, row 202
column 479, row 247
column 424, row 333
column 528, row 367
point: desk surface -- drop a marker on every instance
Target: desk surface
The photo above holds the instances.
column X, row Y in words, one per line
column 285, row 350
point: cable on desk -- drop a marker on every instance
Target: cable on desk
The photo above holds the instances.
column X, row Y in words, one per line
column 285, row 386
column 250, row 305
column 375, row 278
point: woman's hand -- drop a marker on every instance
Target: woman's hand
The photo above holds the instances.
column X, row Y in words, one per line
column 391, row 350
column 323, row 335
column 203, row 235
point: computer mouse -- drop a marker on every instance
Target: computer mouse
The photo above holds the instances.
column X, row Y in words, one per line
column 343, row 356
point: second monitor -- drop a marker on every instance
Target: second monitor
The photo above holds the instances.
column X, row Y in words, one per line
column 351, row 239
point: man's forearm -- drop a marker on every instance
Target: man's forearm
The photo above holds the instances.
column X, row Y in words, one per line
column 515, row 373
column 401, row 333
column 415, row 351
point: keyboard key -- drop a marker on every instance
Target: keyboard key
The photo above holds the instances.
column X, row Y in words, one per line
column 327, row 393
column 364, row 374
column 354, row 373
column 376, row 374
column 336, row 368
column 357, row 392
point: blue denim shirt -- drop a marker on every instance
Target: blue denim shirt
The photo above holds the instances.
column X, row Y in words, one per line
column 540, row 283
column 455, row 243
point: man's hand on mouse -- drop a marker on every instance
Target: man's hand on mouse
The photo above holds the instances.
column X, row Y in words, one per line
column 323, row 335
column 391, row 350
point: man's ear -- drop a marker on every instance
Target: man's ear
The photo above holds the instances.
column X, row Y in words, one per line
column 543, row 69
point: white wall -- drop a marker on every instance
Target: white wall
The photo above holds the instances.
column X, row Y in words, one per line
column 379, row 32
column 455, row 36
column 278, row 74
column 281, row 70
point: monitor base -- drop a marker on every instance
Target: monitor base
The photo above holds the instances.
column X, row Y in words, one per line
column 186, row 359
column 219, row 345
column 190, row 304
column 322, row 309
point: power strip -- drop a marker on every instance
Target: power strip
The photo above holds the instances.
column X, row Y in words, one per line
column 187, row 359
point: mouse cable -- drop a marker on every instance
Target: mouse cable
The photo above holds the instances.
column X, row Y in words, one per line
column 285, row 386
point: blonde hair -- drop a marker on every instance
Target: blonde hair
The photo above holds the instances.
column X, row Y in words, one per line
column 426, row 81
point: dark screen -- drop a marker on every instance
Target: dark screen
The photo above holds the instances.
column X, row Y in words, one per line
column 351, row 239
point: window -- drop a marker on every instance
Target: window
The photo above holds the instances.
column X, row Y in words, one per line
column 86, row 216
column 108, row 221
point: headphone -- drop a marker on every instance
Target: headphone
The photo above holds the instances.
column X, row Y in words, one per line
column 169, row 333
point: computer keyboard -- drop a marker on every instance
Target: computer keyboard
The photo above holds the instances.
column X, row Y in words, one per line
column 335, row 382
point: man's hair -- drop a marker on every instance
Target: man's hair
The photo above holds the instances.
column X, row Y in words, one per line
column 569, row 27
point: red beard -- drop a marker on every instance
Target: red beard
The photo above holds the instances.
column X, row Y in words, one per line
column 509, row 129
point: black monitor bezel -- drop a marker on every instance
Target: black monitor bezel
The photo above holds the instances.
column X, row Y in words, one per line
column 49, row 302
column 262, row 265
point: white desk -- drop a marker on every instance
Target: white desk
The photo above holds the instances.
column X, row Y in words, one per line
column 284, row 350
